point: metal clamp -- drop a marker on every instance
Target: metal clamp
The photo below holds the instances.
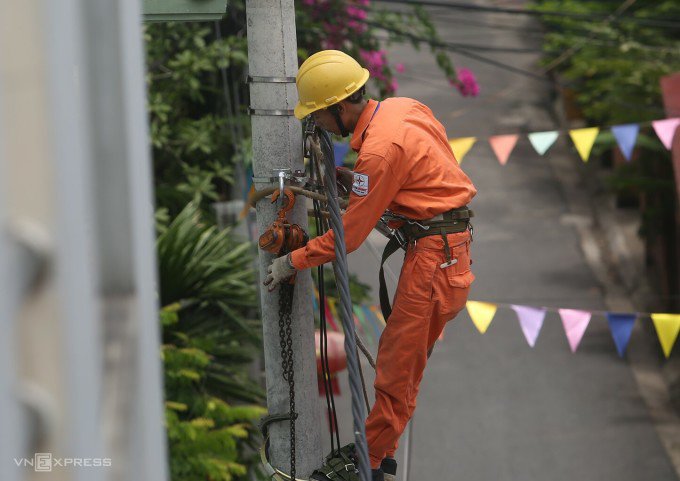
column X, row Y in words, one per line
column 270, row 80
column 283, row 177
column 271, row 112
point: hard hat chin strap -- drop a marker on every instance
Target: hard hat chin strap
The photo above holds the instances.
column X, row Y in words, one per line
column 333, row 109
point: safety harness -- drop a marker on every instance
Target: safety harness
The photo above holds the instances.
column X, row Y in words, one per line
column 452, row 221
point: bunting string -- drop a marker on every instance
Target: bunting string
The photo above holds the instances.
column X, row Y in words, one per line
column 583, row 139
column 370, row 323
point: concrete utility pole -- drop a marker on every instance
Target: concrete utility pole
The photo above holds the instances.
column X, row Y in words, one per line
column 277, row 143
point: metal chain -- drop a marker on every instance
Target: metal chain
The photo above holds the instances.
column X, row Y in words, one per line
column 287, row 365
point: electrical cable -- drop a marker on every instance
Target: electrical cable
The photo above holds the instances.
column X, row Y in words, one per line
column 323, row 329
column 466, row 53
column 651, row 22
column 322, row 147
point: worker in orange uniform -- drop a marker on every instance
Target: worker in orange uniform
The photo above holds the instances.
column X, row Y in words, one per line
column 404, row 165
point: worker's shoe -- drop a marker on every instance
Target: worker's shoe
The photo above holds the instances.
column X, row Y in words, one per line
column 389, row 467
column 377, row 475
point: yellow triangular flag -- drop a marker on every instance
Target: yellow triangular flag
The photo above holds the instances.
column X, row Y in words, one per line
column 461, row 146
column 584, row 140
column 481, row 313
column 667, row 327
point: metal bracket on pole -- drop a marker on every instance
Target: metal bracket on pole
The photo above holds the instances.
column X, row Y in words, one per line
column 271, row 112
column 283, row 177
column 270, row 80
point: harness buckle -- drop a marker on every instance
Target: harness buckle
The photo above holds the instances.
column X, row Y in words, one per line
column 449, row 263
column 415, row 222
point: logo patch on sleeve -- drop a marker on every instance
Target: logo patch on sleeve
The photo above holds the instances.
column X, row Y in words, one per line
column 360, row 185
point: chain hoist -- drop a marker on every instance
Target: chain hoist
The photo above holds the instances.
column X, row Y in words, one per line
column 281, row 238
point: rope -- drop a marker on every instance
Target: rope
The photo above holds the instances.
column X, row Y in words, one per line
column 256, row 195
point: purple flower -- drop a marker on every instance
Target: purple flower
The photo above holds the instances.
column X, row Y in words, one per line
column 466, row 84
column 392, row 87
column 399, row 67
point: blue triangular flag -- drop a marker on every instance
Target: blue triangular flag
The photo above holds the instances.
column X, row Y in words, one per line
column 340, row 151
column 626, row 136
column 374, row 321
column 621, row 326
column 541, row 141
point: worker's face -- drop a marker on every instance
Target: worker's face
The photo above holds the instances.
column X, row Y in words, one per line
column 324, row 119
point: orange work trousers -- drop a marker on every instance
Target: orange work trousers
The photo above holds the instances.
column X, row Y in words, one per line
column 427, row 298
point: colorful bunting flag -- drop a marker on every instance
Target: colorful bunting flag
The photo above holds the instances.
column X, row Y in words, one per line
column 481, row 314
column 583, row 140
column 626, row 136
column 531, row 321
column 374, row 321
column 665, row 130
column 575, row 323
column 378, row 314
column 502, row 146
column 461, row 146
column 667, row 327
column 542, row 141
column 369, row 321
column 359, row 313
column 621, row 327
column 329, row 314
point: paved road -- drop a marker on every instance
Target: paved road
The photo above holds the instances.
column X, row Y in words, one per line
column 491, row 408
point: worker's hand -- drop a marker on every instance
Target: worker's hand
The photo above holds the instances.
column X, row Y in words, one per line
column 344, row 179
column 280, row 269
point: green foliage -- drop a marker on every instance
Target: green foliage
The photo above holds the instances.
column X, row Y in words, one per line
column 616, row 72
column 207, row 288
column 189, row 125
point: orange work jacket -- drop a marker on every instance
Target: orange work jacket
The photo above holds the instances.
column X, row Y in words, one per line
column 405, row 164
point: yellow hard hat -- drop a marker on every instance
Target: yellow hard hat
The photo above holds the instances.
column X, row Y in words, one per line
column 326, row 78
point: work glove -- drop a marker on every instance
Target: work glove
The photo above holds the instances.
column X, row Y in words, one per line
column 280, row 269
column 344, row 178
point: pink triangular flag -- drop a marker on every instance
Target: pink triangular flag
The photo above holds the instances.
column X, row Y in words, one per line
column 665, row 129
column 502, row 146
column 575, row 323
column 531, row 321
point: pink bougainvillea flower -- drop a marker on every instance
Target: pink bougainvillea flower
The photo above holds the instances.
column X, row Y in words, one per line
column 356, row 12
column 374, row 61
column 356, row 19
column 399, row 67
column 466, row 84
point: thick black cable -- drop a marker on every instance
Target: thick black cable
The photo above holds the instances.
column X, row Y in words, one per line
column 651, row 22
column 323, row 328
column 465, row 53
column 345, row 308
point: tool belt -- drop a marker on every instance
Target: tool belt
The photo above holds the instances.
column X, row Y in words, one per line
column 449, row 222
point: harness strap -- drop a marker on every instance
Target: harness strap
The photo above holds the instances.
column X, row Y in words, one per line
column 392, row 246
column 447, row 249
